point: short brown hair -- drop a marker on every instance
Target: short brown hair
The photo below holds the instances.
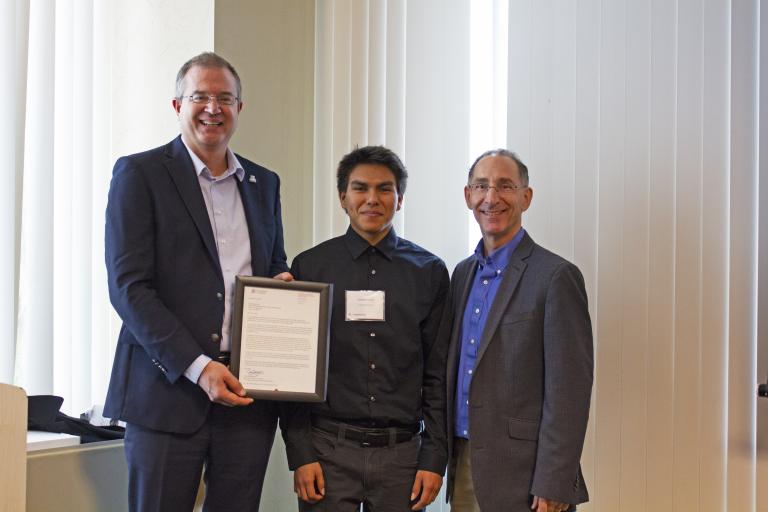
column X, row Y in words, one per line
column 206, row 60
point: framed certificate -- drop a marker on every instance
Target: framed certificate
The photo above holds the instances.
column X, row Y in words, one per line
column 280, row 334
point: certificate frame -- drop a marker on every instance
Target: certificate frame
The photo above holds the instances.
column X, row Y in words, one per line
column 321, row 315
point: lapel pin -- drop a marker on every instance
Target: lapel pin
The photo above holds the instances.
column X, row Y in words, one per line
column 252, row 178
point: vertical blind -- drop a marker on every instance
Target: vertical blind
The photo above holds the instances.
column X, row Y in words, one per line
column 385, row 74
column 84, row 90
column 61, row 316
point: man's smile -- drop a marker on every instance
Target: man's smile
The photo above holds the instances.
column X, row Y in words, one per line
column 493, row 213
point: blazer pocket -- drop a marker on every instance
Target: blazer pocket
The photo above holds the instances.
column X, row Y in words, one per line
column 524, row 429
column 513, row 318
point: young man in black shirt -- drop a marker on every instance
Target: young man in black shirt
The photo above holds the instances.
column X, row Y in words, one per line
column 379, row 439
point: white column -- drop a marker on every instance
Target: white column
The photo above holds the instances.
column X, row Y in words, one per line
column 437, row 125
column 34, row 357
column 102, row 316
column 742, row 300
column 9, row 163
column 762, row 266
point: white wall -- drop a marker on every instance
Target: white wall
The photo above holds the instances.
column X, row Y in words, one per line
column 150, row 41
column 271, row 44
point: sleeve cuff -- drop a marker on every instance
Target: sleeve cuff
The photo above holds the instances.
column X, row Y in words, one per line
column 430, row 461
column 194, row 370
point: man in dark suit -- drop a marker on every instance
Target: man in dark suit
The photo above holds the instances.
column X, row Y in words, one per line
column 520, row 361
column 182, row 220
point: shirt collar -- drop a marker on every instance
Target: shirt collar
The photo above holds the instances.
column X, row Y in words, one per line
column 357, row 245
column 233, row 165
column 499, row 258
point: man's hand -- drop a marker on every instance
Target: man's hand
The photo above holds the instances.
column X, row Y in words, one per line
column 428, row 485
column 547, row 505
column 221, row 386
column 284, row 276
column 308, row 482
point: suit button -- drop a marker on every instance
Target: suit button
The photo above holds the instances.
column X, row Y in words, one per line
column 215, row 338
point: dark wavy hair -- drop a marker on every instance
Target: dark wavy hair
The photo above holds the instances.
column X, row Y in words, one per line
column 376, row 155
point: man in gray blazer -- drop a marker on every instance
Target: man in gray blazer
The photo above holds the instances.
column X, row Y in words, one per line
column 520, row 362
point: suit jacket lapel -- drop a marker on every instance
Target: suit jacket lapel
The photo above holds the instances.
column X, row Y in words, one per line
column 509, row 283
column 462, row 277
column 250, row 189
column 182, row 172
column 466, row 273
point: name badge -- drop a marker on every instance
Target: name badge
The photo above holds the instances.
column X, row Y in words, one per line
column 364, row 305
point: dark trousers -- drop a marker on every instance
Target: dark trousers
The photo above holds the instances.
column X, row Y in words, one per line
column 379, row 478
column 234, row 443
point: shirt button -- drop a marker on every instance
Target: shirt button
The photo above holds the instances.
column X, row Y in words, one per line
column 467, row 402
column 373, row 271
column 485, row 281
column 477, row 311
column 373, row 335
column 215, row 338
column 372, row 398
column 498, row 271
column 219, row 295
column 372, row 366
column 465, row 432
column 469, row 372
column 472, row 341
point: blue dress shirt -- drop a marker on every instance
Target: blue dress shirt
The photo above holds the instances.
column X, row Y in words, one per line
column 488, row 276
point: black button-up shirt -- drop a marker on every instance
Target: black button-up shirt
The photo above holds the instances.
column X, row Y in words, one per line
column 389, row 372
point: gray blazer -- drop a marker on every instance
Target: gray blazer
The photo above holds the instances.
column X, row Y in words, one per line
column 530, row 392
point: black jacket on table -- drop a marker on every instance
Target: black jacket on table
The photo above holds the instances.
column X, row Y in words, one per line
column 389, row 372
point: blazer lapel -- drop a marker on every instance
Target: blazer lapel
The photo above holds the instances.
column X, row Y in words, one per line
column 250, row 189
column 462, row 276
column 182, row 172
column 466, row 273
column 509, row 283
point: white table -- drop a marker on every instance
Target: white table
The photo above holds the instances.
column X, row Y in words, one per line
column 37, row 440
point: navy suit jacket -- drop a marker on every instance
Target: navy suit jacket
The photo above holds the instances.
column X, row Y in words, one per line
column 166, row 283
column 530, row 391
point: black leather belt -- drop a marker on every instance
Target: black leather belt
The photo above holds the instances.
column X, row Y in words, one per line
column 367, row 437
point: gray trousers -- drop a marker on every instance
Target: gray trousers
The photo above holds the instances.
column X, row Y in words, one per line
column 379, row 478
